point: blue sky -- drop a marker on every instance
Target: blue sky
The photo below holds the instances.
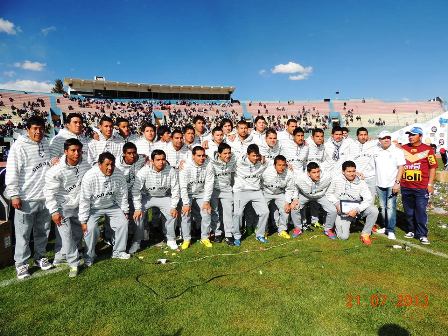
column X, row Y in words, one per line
column 268, row 50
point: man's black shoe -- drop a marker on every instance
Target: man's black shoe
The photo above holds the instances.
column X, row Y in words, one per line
column 229, row 241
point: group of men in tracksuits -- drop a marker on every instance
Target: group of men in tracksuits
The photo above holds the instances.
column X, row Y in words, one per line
column 191, row 176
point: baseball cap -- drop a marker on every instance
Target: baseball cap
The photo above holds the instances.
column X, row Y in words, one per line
column 384, row 134
column 415, row 130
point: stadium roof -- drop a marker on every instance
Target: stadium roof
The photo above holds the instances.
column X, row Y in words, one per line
column 95, row 86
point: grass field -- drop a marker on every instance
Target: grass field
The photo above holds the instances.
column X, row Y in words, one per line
column 307, row 286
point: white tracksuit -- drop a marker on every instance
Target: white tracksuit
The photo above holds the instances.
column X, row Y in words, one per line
column 103, row 195
column 356, row 190
column 196, row 188
column 62, row 190
column 258, row 138
column 363, row 156
column 333, row 163
column 247, row 188
column 144, row 146
column 279, row 190
column 112, row 145
column 268, row 152
column 175, row 157
column 159, row 190
column 315, row 191
column 57, row 143
column 222, row 192
column 239, row 146
column 212, row 149
column 27, row 164
column 296, row 155
column 284, row 137
column 316, row 153
column 131, row 138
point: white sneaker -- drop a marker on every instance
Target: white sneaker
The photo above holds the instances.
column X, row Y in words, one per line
column 409, row 235
column 73, row 272
column 22, row 272
column 424, row 240
column 44, row 264
column 121, row 255
column 391, row 236
column 172, row 244
column 382, row 230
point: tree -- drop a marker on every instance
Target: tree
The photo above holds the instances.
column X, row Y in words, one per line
column 58, row 87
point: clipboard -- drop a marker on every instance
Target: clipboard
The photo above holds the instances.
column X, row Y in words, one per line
column 347, row 205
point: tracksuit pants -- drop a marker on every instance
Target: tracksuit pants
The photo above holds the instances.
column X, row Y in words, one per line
column 199, row 215
column 33, row 216
column 343, row 222
column 118, row 223
column 276, row 206
column 258, row 201
column 371, row 183
column 224, row 222
column 71, row 235
column 328, row 207
column 164, row 206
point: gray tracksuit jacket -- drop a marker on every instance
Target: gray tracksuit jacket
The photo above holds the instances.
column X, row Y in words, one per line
column 274, row 183
column 57, row 143
column 99, row 191
column 224, row 173
column 27, row 164
column 63, row 185
column 310, row 189
column 248, row 175
column 156, row 184
column 357, row 190
column 196, row 181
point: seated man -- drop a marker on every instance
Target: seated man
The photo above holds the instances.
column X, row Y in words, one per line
column 352, row 198
column 247, row 188
column 196, row 181
column 160, row 186
column 104, row 192
column 279, row 190
column 312, row 187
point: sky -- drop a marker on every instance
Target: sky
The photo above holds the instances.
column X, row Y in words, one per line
column 268, row 50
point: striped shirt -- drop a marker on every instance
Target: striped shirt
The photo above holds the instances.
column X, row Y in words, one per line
column 113, row 145
column 152, row 183
column 196, row 181
column 27, row 164
column 310, row 189
column 356, row 190
column 57, row 143
column 274, row 183
column 296, row 155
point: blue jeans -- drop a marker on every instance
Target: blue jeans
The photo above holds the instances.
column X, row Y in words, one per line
column 388, row 208
column 415, row 202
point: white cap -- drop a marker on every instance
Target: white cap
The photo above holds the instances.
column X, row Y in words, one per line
column 384, row 134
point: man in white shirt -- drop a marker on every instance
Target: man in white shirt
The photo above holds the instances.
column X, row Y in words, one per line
column 287, row 134
column 361, row 151
column 176, row 151
column 270, row 148
column 316, row 152
column 108, row 141
column 296, row 151
column 337, row 151
column 146, row 141
column 258, row 133
column 389, row 162
column 242, row 140
column 124, row 130
column 217, row 139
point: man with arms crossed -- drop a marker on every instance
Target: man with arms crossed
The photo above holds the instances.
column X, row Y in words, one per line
column 104, row 192
column 159, row 185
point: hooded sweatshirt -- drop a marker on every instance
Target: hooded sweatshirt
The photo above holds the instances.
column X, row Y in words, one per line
column 295, row 155
column 310, row 189
column 144, row 146
column 196, row 181
column 57, row 143
column 343, row 154
column 356, row 190
column 62, row 187
column 156, row 184
column 99, row 191
column 113, row 145
column 174, row 157
column 363, row 156
column 130, row 171
column 224, row 173
column 274, row 183
column 268, row 152
column 316, row 153
column 239, row 146
column 27, row 164
column 248, row 175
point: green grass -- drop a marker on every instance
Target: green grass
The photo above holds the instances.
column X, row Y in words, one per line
column 301, row 287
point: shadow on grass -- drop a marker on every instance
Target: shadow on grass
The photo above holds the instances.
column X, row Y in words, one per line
column 392, row 330
column 177, row 333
